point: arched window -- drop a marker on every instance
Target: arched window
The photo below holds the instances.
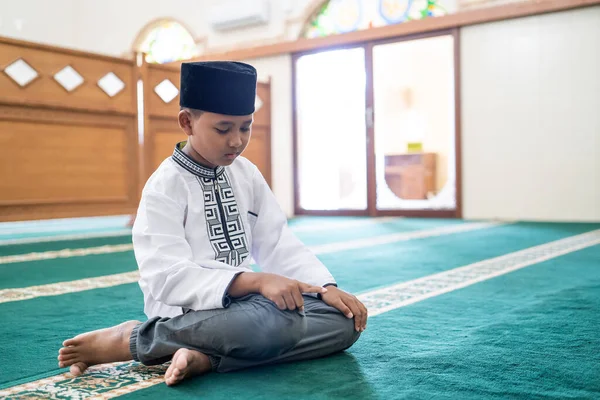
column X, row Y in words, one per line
column 342, row 16
column 165, row 41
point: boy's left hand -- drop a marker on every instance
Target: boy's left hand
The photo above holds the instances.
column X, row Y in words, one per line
column 348, row 304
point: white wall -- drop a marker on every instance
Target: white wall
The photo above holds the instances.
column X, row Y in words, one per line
column 111, row 26
column 279, row 69
column 107, row 27
column 51, row 22
column 531, row 118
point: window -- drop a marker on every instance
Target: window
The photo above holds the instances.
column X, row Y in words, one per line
column 342, row 16
column 166, row 41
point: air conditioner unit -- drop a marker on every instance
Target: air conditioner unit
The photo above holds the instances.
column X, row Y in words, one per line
column 236, row 14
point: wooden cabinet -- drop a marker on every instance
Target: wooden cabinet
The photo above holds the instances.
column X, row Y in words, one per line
column 411, row 176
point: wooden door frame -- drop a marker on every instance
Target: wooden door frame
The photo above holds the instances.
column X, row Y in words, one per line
column 371, row 209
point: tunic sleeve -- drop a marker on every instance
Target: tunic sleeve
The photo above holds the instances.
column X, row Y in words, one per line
column 165, row 257
column 275, row 247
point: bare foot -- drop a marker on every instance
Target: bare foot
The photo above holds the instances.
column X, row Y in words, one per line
column 186, row 363
column 97, row 347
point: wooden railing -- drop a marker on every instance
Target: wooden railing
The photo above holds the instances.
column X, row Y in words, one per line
column 70, row 129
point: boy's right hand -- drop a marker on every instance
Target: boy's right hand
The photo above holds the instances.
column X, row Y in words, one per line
column 286, row 293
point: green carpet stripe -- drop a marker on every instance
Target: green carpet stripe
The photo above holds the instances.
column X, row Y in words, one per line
column 66, row 253
column 48, row 272
column 41, row 247
column 310, row 234
column 400, row 295
column 378, row 240
column 466, row 276
column 312, row 222
column 324, row 236
column 35, row 273
column 10, row 236
column 379, row 266
column 394, row 263
column 56, row 289
column 315, row 224
column 32, row 232
column 54, row 243
column 64, row 238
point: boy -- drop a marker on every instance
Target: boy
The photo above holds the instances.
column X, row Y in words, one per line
column 204, row 212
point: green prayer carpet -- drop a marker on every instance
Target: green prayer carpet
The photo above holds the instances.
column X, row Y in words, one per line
column 532, row 333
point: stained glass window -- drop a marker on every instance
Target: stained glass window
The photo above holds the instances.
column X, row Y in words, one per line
column 342, row 16
column 168, row 41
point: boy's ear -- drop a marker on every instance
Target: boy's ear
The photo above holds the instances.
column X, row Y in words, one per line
column 185, row 121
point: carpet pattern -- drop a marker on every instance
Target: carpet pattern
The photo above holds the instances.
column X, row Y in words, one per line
column 501, row 311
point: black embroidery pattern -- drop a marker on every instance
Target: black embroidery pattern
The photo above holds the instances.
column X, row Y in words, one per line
column 223, row 221
column 186, row 162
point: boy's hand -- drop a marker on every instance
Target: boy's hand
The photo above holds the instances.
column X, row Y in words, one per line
column 349, row 305
column 286, row 293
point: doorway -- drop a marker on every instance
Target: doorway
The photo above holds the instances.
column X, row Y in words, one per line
column 376, row 128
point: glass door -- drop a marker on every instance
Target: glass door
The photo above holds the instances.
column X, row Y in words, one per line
column 331, row 152
column 414, row 132
column 377, row 129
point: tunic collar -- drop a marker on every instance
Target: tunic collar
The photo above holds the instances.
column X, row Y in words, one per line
column 194, row 167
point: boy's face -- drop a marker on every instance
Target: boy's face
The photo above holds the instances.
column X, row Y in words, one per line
column 216, row 139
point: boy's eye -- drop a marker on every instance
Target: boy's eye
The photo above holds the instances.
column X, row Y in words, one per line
column 246, row 129
column 221, row 131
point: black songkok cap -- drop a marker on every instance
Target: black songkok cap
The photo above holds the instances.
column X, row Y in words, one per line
column 221, row 87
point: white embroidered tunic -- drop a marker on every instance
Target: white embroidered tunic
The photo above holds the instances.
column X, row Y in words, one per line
column 197, row 228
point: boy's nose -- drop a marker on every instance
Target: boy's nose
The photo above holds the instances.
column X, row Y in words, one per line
column 235, row 141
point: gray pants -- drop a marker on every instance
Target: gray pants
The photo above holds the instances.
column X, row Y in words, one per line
column 252, row 331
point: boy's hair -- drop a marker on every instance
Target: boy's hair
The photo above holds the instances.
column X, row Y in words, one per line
column 195, row 113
